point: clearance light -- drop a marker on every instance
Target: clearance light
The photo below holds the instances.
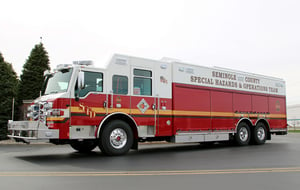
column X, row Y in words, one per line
column 56, row 112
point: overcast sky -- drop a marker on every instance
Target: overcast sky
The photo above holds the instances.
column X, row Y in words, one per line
column 259, row 36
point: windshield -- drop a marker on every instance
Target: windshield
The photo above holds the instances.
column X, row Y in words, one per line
column 57, row 82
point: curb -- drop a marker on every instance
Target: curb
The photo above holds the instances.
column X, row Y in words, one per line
column 13, row 142
column 9, row 142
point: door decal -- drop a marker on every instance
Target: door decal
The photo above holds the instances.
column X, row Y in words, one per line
column 143, row 105
column 88, row 111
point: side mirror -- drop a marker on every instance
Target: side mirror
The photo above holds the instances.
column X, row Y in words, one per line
column 80, row 80
column 80, row 85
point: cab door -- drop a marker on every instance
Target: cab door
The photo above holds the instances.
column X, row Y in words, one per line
column 88, row 108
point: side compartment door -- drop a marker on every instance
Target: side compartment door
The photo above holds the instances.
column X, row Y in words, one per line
column 163, row 88
column 143, row 101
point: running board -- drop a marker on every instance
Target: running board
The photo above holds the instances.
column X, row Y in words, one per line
column 182, row 137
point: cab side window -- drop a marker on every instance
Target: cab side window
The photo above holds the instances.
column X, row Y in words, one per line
column 120, row 84
column 93, row 82
column 142, row 82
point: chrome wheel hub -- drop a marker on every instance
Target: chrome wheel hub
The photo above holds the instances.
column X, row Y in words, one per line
column 118, row 138
column 243, row 133
column 261, row 133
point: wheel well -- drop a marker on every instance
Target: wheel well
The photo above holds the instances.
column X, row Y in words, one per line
column 266, row 123
column 245, row 120
column 249, row 123
column 122, row 117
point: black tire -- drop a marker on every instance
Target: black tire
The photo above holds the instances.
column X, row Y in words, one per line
column 259, row 134
column 243, row 134
column 116, row 138
column 84, row 146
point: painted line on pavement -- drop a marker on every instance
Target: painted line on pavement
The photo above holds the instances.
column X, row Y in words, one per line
column 150, row 173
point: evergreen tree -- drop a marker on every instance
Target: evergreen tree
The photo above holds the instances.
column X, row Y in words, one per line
column 32, row 75
column 8, row 86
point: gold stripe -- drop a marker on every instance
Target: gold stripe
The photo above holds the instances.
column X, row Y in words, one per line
column 55, row 118
column 222, row 114
column 283, row 116
column 94, row 109
column 148, row 112
column 76, row 110
column 124, row 110
column 100, row 110
column 191, row 113
column 165, row 112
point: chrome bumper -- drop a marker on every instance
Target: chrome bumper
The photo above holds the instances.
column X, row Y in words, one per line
column 27, row 131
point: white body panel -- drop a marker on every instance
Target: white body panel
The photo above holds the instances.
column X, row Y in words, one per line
column 227, row 79
column 161, row 71
column 174, row 72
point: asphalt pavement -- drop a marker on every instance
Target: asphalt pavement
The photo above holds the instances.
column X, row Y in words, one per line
column 275, row 165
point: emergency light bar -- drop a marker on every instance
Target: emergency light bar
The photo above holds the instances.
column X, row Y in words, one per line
column 85, row 62
column 60, row 66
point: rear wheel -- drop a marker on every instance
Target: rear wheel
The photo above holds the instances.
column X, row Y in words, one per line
column 243, row 134
column 116, row 138
column 84, row 146
column 259, row 134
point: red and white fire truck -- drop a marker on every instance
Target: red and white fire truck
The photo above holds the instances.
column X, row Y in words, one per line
column 136, row 99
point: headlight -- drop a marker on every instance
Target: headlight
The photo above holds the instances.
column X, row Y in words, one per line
column 39, row 110
column 32, row 108
column 48, row 105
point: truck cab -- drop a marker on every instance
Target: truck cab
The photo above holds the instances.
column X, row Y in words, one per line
column 114, row 108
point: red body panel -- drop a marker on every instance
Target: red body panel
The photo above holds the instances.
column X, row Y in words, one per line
column 226, row 108
column 192, row 108
column 193, row 99
column 90, row 110
column 242, row 103
column 260, row 104
column 221, row 105
column 64, row 124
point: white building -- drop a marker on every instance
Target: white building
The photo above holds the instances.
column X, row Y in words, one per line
column 293, row 115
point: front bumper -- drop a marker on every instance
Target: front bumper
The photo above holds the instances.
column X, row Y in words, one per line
column 27, row 131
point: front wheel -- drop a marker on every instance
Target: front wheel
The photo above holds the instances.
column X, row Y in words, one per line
column 260, row 134
column 243, row 134
column 116, row 138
